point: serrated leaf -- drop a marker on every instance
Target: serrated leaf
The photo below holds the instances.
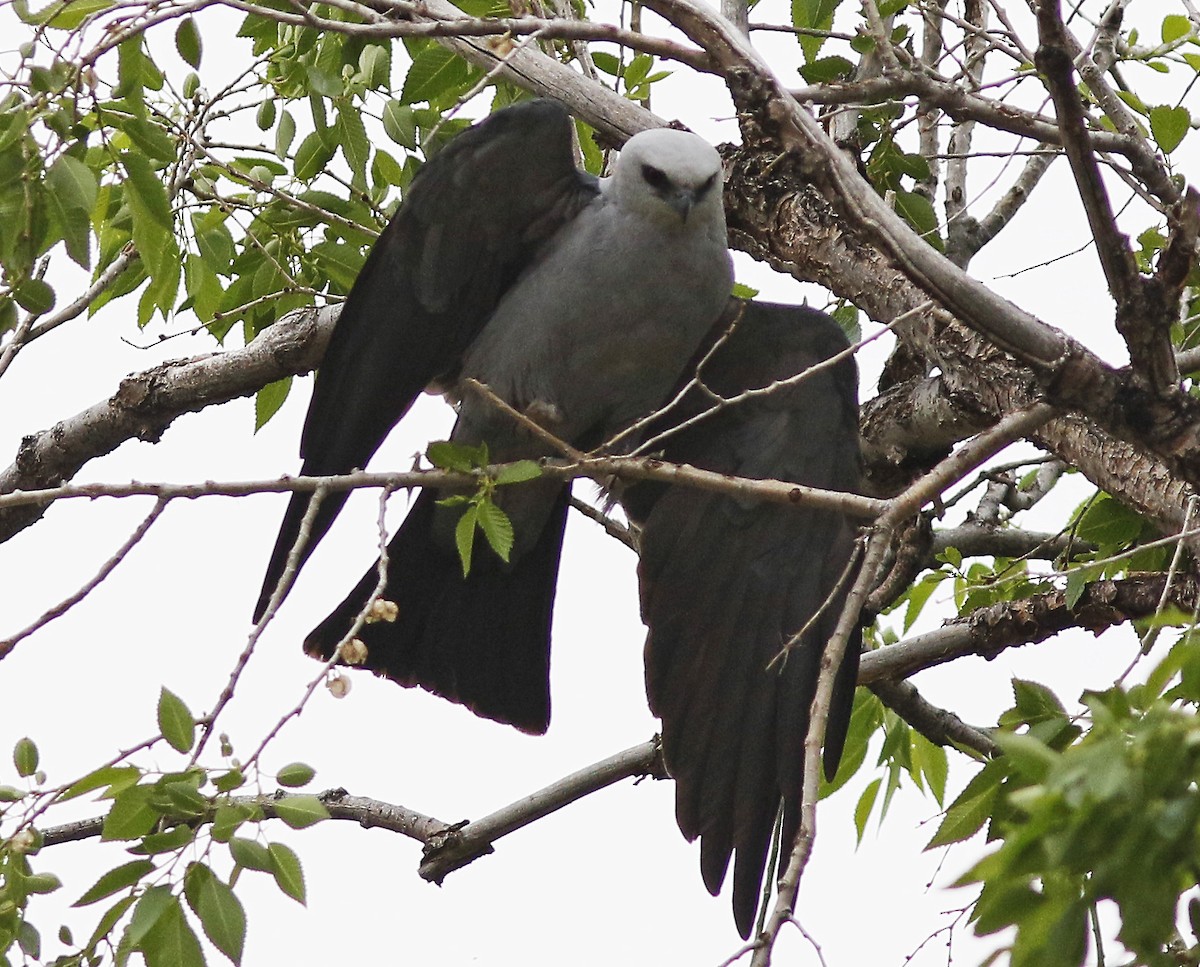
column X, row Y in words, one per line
column 1169, row 125
column 741, row 291
column 496, row 527
column 29, row 940
column 110, row 918
column 188, row 43
column 464, row 536
column 284, row 134
column 386, row 170
column 269, row 399
column 352, row 135
column 917, row 210
column 434, row 72
column 866, row 802
column 35, row 295
column 519, row 472
column 220, row 911
column 295, row 774
column 41, row 883
column 301, row 811
column 313, row 155
column 826, row 69
column 264, row 117
column 451, row 456
column 812, row 15
column 289, row 875
column 151, row 906
column 145, row 192
column 25, row 756
column 171, row 942
column 114, row 880
column 1174, row 26
column 175, row 722
column 120, row 776
column 399, row 124
column 165, row 842
column 72, row 14
column 227, row 820
column 131, row 815
column 251, row 854
column 969, row 812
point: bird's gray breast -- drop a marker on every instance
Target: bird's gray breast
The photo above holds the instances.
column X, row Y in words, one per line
column 599, row 328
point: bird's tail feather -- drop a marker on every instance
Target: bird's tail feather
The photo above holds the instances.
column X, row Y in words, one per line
column 482, row 641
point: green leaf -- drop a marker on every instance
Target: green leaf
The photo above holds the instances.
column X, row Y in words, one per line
column 42, row 883
column 72, row 193
column 269, row 399
column 496, row 527
column 264, row 117
column 356, row 147
column 25, row 757
column 11, row 794
column 301, row 811
column 284, row 134
column 519, row 472
column 741, row 291
column 131, row 816
column 1107, row 522
column 289, row 875
column 117, row 778
column 399, row 124
column 1174, row 26
column 313, row 155
column 110, row 918
column 971, row 810
column 166, row 842
column 251, row 854
column 295, row 774
column 72, row 14
column 35, row 295
column 114, row 880
column 171, row 942
column 812, row 15
column 188, row 43
column 866, row 802
column 827, row 69
column 175, row 722
column 228, row 818
column 464, row 536
column 145, row 192
column 386, row 170
column 150, row 908
column 1169, row 125
column 435, row 72
column 220, row 911
column 452, row 456
column 918, row 212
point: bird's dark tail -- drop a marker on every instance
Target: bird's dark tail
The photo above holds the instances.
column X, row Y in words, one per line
column 482, row 641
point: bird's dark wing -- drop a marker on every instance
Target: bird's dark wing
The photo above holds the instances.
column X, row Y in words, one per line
column 472, row 220
column 725, row 582
column 482, row 641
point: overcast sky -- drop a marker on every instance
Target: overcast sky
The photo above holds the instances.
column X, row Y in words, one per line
column 607, row 880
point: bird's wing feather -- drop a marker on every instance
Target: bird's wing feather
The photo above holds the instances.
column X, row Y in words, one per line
column 751, row 575
column 472, row 220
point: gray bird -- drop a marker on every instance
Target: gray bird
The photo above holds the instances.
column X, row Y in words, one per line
column 583, row 302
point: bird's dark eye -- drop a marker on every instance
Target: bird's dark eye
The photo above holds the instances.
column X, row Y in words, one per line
column 705, row 188
column 655, row 178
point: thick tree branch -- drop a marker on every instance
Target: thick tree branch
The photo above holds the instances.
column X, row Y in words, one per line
column 938, row 725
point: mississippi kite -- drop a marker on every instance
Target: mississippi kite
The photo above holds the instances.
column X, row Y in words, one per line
column 581, row 303
column 726, row 582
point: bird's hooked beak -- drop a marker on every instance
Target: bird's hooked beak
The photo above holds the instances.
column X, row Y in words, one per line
column 682, row 200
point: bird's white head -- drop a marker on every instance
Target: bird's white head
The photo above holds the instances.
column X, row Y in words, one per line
column 669, row 175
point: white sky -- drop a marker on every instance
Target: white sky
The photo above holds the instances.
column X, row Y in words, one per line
column 607, row 880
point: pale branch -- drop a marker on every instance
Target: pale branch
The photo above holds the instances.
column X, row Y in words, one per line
column 209, row 721
column 777, row 219
column 934, row 92
column 979, row 540
column 1145, row 328
column 456, row 846
column 7, row 644
column 990, row 630
column 599, row 468
column 1003, row 212
column 940, row 726
column 147, row 403
column 960, row 243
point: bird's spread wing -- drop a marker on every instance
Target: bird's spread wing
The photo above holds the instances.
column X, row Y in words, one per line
column 725, row 582
column 482, row 641
column 471, row 222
